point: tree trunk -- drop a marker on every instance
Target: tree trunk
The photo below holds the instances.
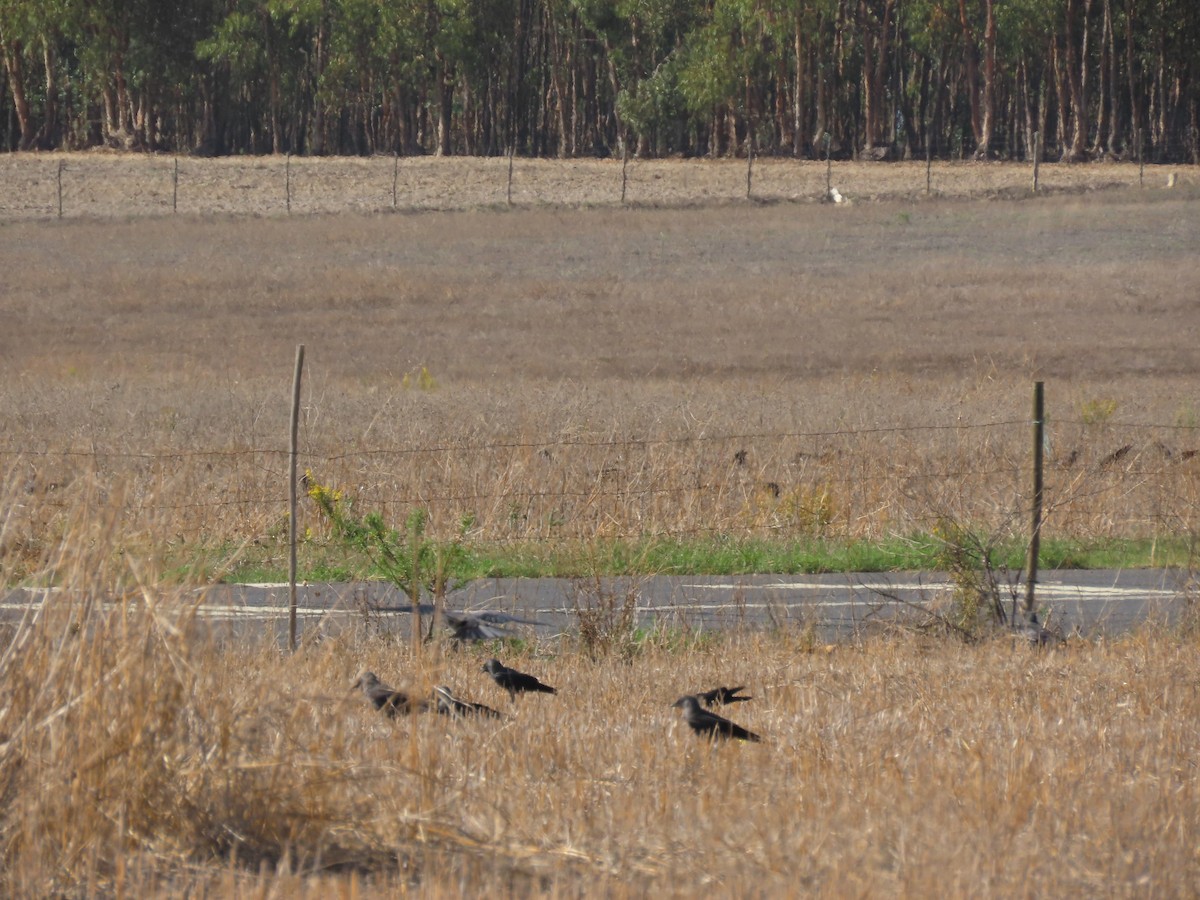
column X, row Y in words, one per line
column 799, row 132
column 1061, row 100
column 615, row 86
column 1076, row 149
column 1135, row 113
column 987, row 123
column 1104, row 106
column 971, row 71
column 1081, row 140
column 556, row 82
column 874, row 36
column 1027, row 103
column 1160, row 95
column 16, row 82
column 445, row 105
column 321, row 54
column 50, row 135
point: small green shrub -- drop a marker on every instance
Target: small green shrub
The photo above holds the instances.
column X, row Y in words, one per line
column 1097, row 411
column 422, row 381
column 1187, row 417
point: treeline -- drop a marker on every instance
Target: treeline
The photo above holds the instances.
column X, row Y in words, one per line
column 864, row 78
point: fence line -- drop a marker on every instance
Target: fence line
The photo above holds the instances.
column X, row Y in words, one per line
column 1109, row 479
column 1053, row 425
column 79, row 185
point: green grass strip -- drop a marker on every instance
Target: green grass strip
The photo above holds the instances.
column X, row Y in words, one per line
column 731, row 556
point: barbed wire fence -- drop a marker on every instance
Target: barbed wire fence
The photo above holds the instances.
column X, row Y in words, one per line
column 1102, row 480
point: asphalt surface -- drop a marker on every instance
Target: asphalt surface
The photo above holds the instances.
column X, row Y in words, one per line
column 837, row 606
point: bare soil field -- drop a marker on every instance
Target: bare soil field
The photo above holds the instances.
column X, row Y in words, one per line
column 563, row 369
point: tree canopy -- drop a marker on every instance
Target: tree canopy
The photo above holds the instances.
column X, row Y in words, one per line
column 563, row 78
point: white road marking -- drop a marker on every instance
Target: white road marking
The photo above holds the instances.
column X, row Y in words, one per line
column 246, row 612
column 1044, row 588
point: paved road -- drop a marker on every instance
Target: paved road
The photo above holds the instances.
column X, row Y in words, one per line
column 836, row 605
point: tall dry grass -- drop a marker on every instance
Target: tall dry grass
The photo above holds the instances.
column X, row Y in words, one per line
column 144, row 751
column 569, row 488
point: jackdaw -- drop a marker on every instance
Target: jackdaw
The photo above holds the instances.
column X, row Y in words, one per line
column 449, row 705
column 513, row 681
column 485, row 625
column 388, row 699
column 465, row 625
column 708, row 723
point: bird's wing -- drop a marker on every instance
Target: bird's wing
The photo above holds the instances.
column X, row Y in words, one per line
column 471, row 629
column 495, row 617
column 731, row 728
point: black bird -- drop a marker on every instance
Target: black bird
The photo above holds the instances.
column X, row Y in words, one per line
column 513, row 681
column 388, row 699
column 708, row 723
column 482, row 625
column 723, row 696
column 449, row 705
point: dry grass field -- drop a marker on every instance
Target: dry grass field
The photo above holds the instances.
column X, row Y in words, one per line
column 143, row 755
column 560, row 371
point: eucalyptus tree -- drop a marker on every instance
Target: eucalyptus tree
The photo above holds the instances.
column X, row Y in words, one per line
column 271, row 44
column 637, row 42
column 130, row 61
column 29, row 42
column 834, row 75
column 978, row 21
column 801, row 61
column 1025, row 58
column 373, row 86
column 727, row 69
column 1168, row 57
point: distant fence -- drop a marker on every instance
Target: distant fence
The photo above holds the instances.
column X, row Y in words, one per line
column 107, row 186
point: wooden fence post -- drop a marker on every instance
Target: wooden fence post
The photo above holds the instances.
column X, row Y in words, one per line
column 1037, row 158
column 828, row 165
column 749, row 163
column 292, row 497
column 624, row 168
column 1035, row 537
column 175, row 187
column 1141, row 152
column 395, row 174
column 928, row 162
column 288, row 180
column 61, row 165
column 511, row 153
